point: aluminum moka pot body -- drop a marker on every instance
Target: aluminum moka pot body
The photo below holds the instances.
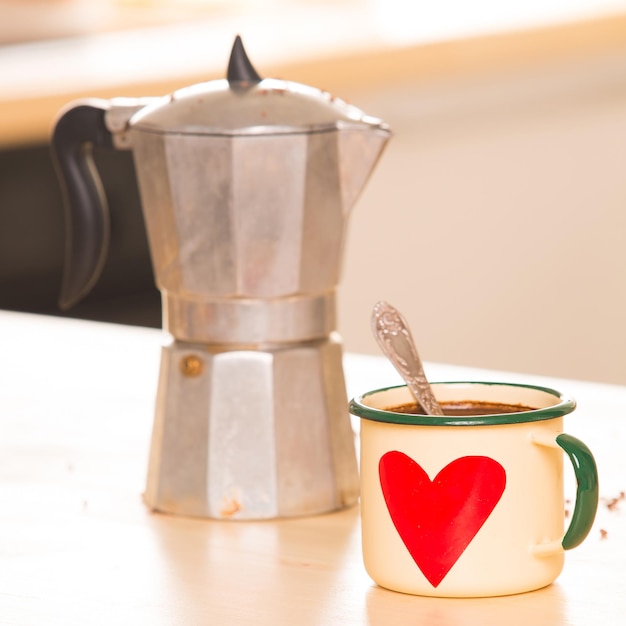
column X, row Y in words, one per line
column 246, row 185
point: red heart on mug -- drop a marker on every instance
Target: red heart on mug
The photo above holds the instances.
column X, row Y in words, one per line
column 437, row 519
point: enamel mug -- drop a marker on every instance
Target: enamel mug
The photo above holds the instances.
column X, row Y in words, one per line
column 470, row 506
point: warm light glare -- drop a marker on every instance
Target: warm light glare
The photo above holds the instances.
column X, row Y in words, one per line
column 423, row 20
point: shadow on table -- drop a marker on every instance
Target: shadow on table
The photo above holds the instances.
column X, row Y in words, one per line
column 544, row 606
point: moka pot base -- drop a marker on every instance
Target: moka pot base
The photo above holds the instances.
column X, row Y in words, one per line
column 244, row 434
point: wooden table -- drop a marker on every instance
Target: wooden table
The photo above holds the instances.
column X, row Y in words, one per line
column 77, row 545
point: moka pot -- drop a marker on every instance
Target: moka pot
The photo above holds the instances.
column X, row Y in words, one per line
column 246, row 187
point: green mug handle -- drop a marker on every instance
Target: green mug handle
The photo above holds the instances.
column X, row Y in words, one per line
column 587, row 491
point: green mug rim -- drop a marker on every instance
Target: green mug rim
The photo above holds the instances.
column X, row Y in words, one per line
column 564, row 406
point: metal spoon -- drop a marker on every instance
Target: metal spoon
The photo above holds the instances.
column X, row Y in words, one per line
column 394, row 337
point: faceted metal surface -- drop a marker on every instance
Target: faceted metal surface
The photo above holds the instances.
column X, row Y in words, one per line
column 256, row 217
column 252, row 434
column 248, row 217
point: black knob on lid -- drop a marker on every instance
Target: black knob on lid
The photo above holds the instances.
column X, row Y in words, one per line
column 240, row 70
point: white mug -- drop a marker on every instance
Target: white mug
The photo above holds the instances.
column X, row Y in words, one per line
column 470, row 506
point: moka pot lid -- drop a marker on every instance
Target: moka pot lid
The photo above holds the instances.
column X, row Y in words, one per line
column 246, row 104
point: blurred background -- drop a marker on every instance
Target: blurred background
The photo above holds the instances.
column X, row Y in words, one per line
column 495, row 220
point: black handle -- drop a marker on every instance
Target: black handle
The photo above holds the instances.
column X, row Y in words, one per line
column 86, row 211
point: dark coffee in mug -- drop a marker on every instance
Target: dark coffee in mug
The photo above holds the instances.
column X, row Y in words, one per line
column 468, row 407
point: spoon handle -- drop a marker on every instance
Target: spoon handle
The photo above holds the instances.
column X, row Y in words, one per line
column 394, row 337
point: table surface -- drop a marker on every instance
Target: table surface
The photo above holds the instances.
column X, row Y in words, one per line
column 78, row 546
